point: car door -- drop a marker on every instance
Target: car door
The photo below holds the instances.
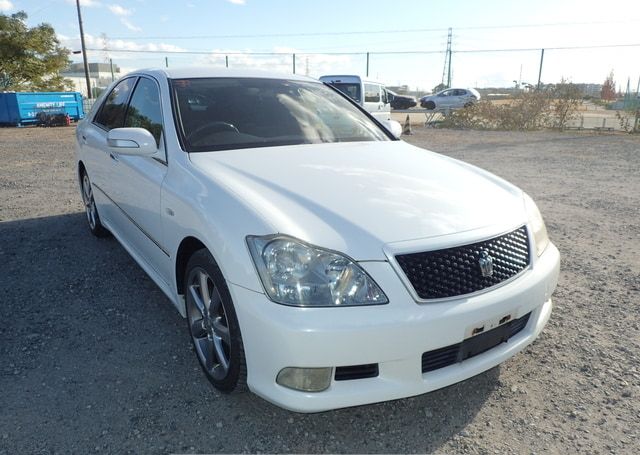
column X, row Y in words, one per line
column 138, row 180
column 461, row 98
column 374, row 103
column 444, row 99
column 99, row 157
column 386, row 98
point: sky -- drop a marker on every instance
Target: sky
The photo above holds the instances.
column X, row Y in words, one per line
column 318, row 31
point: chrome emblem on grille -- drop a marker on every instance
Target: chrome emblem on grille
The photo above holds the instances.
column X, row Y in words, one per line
column 486, row 264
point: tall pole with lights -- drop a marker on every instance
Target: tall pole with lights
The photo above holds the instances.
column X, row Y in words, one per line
column 84, row 51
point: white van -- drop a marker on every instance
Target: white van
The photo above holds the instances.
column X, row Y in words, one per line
column 369, row 94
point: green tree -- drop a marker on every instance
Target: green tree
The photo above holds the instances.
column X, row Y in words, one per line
column 439, row 88
column 30, row 58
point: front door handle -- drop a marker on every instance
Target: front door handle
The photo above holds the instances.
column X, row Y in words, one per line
column 113, row 157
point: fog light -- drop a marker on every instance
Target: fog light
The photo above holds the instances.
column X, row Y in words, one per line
column 305, row 379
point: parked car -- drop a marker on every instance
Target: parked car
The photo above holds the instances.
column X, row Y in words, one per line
column 451, row 98
column 369, row 94
column 401, row 101
column 316, row 259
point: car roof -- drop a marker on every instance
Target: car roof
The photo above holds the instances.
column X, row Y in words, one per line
column 457, row 88
column 349, row 78
column 204, row 72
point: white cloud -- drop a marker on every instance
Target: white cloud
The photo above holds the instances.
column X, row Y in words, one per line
column 127, row 23
column 238, row 2
column 5, row 5
column 119, row 10
column 318, row 64
column 96, row 43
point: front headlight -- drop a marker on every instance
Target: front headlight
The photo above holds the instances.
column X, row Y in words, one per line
column 536, row 223
column 295, row 273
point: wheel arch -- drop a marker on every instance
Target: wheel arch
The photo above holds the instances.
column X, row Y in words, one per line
column 81, row 170
column 187, row 247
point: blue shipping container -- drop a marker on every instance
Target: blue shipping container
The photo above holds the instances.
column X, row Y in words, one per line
column 22, row 108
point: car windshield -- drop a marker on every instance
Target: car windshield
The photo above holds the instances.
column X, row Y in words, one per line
column 352, row 90
column 232, row 113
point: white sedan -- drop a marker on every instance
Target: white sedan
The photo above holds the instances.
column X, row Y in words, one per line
column 318, row 260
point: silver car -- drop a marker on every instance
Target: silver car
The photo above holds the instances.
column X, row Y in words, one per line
column 451, row 98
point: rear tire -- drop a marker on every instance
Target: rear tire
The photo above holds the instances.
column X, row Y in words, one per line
column 93, row 218
column 213, row 324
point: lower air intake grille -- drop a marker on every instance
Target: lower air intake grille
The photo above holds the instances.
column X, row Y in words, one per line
column 356, row 372
column 443, row 357
column 452, row 272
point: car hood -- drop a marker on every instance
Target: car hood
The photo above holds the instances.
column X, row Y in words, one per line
column 357, row 197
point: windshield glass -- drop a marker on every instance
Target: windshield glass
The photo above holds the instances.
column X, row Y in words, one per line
column 230, row 113
column 351, row 90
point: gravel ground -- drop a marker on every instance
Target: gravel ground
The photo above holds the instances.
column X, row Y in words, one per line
column 95, row 359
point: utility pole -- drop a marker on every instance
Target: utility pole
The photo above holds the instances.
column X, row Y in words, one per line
column 84, row 51
column 294, row 63
column 367, row 64
column 449, row 73
column 446, row 70
column 540, row 71
column 166, row 62
column 520, row 77
column 226, row 61
column 113, row 78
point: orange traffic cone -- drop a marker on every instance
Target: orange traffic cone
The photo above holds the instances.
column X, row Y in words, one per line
column 406, row 130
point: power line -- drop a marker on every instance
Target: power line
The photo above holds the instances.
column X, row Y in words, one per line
column 372, row 32
column 464, row 51
column 556, row 48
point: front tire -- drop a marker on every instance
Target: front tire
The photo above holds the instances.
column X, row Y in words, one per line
column 213, row 324
column 93, row 219
column 430, row 105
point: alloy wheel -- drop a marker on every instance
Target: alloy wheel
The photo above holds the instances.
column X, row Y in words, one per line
column 208, row 324
column 89, row 202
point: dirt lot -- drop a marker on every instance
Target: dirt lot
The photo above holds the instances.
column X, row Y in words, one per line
column 94, row 358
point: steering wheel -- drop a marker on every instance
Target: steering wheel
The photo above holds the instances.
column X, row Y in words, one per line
column 210, row 128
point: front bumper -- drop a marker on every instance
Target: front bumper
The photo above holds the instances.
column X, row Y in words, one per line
column 394, row 336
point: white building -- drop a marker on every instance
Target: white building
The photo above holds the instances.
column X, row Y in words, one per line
column 100, row 76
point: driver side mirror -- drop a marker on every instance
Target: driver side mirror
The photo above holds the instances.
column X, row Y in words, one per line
column 393, row 127
column 132, row 141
